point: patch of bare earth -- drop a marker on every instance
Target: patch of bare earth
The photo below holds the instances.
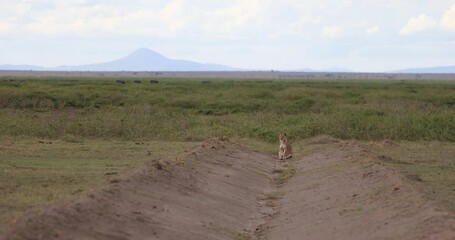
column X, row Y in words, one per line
column 224, row 191
column 342, row 192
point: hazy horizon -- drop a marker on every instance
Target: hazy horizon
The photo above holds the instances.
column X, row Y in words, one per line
column 370, row 36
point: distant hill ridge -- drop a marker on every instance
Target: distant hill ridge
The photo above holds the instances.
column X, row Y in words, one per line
column 443, row 69
column 142, row 59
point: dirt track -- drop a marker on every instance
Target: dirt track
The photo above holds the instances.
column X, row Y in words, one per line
column 223, row 191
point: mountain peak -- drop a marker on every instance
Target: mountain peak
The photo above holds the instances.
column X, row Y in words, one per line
column 142, row 59
column 144, row 53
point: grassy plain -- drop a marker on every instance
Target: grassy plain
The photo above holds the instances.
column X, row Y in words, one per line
column 181, row 110
column 430, row 164
column 99, row 128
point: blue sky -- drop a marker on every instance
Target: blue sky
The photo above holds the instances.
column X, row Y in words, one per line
column 368, row 35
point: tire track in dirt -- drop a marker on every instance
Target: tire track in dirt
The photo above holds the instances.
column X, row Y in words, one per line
column 224, row 191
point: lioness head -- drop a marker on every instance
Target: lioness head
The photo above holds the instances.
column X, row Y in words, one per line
column 282, row 136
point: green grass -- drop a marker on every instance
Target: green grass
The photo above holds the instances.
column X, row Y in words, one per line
column 275, row 195
column 37, row 174
column 288, row 172
column 431, row 165
column 177, row 110
column 239, row 235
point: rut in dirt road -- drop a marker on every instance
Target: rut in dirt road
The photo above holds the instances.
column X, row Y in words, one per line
column 224, row 191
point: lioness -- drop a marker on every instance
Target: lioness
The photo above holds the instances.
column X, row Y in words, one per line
column 285, row 151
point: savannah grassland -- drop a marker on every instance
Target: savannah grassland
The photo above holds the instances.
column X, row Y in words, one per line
column 60, row 137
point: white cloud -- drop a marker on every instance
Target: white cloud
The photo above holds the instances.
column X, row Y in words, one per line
column 298, row 28
column 418, row 24
column 16, row 8
column 47, row 26
column 174, row 16
column 6, row 26
column 448, row 19
column 424, row 22
column 77, row 17
column 331, row 31
column 233, row 17
column 346, row 2
column 372, row 30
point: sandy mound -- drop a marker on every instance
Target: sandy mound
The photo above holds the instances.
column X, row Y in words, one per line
column 223, row 191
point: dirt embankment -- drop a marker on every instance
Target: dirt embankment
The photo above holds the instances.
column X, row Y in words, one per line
column 343, row 192
column 224, row 191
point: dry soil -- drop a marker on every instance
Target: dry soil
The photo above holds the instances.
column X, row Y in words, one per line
column 224, row 191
